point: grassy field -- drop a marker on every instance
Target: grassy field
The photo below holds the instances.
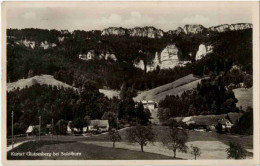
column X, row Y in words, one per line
column 246, row 141
column 42, row 80
column 212, row 145
column 244, row 97
column 177, row 87
column 109, row 93
column 86, row 151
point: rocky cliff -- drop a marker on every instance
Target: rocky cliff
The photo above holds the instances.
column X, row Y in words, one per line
column 167, row 59
column 193, row 29
column 231, row 27
column 152, row 32
column 203, row 51
column 149, row 32
column 114, row 31
column 92, row 55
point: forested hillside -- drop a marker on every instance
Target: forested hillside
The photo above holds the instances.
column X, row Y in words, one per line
column 62, row 60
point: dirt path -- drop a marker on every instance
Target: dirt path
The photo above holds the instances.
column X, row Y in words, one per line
column 16, row 144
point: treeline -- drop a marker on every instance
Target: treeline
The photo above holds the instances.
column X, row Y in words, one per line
column 209, row 98
column 62, row 104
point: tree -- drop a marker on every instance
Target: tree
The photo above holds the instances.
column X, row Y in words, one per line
column 114, row 136
column 236, row 151
column 195, row 151
column 61, row 126
column 248, row 81
column 142, row 114
column 175, row 140
column 219, row 128
column 78, row 123
column 111, row 117
column 244, row 126
column 140, row 134
column 87, row 120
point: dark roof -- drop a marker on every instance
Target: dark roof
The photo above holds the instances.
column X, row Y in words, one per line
column 99, row 123
column 223, row 121
column 233, row 116
column 205, row 120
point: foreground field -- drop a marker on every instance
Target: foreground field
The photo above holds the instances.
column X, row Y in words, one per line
column 212, row 145
column 72, row 150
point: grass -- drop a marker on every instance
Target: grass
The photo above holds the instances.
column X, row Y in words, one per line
column 42, row 79
column 87, row 151
column 177, row 87
column 244, row 97
column 245, row 141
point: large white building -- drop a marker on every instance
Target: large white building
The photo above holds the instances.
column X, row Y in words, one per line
column 150, row 104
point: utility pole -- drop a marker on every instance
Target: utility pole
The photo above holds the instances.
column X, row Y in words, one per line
column 52, row 129
column 12, row 129
column 39, row 127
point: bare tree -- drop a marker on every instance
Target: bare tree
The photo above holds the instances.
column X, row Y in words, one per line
column 141, row 135
column 175, row 140
column 195, row 151
column 114, row 136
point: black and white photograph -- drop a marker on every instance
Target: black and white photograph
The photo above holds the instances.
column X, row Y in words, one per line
column 113, row 80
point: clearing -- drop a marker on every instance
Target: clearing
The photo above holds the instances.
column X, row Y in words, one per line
column 244, row 97
column 175, row 88
column 42, row 80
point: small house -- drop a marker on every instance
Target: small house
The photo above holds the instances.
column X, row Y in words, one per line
column 150, row 104
column 233, row 117
column 31, row 129
column 99, row 125
column 69, row 128
column 225, row 123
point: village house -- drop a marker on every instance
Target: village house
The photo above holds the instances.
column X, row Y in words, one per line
column 226, row 124
column 209, row 122
column 150, row 104
column 30, row 130
column 99, row 125
column 233, row 117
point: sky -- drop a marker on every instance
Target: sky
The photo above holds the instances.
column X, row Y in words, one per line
column 98, row 16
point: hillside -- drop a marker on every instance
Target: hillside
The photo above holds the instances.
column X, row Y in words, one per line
column 175, row 88
column 244, row 97
column 42, row 80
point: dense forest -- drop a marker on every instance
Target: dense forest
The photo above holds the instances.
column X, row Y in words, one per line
column 58, row 103
column 209, row 98
column 234, row 47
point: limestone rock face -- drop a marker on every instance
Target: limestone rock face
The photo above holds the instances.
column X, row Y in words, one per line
column 178, row 31
column 139, row 64
column 149, row 32
column 114, row 31
column 193, row 29
column 91, row 55
column 167, row 59
column 203, row 51
column 26, row 43
column 45, row 45
column 232, row 27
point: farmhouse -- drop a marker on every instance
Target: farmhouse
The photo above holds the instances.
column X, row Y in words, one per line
column 101, row 125
column 150, row 104
column 233, row 117
column 225, row 123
